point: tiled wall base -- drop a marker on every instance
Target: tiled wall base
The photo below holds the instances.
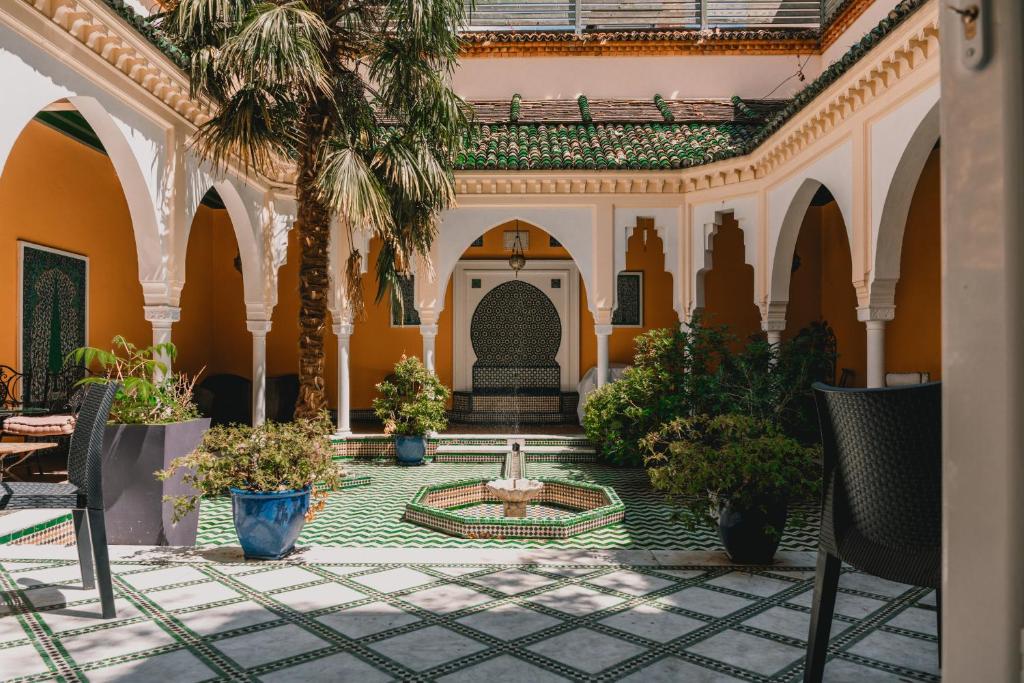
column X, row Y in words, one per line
column 491, row 448
column 58, row 530
column 522, row 408
column 450, row 508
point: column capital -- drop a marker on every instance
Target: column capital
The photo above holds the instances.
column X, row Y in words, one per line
column 162, row 315
column 603, row 330
column 258, row 327
column 773, row 316
column 876, row 312
column 343, row 329
column 428, row 329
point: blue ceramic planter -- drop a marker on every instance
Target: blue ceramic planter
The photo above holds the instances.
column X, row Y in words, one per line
column 410, row 449
column 267, row 524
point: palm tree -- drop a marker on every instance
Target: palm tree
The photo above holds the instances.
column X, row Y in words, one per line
column 357, row 94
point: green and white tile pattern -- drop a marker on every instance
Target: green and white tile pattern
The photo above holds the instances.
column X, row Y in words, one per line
column 187, row 621
column 371, row 516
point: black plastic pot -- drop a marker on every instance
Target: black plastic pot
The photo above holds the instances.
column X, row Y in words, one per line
column 746, row 534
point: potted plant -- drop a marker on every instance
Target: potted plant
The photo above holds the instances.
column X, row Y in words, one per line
column 278, row 474
column 411, row 404
column 737, row 473
column 153, row 421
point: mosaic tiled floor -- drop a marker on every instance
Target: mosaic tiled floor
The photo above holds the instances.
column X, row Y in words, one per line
column 371, row 516
column 194, row 619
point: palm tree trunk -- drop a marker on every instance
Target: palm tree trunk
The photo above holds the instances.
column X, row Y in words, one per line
column 314, row 226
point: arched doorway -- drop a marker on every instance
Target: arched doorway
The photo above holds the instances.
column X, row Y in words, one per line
column 821, row 284
column 68, row 239
column 515, row 335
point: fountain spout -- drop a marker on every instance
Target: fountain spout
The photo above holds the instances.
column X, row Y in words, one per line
column 514, row 490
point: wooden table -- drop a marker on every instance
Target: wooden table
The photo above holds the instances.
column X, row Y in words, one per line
column 20, row 448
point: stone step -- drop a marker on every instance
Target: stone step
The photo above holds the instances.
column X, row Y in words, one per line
column 492, row 453
column 528, row 449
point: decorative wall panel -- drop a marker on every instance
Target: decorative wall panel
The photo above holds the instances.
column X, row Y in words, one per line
column 54, row 296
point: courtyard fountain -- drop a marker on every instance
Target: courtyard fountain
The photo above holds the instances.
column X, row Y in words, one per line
column 514, row 505
column 513, row 489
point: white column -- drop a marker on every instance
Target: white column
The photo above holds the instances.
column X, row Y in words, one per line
column 773, row 321
column 876, row 353
column 429, row 332
column 603, row 332
column 259, row 330
column 162, row 317
column 344, row 333
column 874, row 319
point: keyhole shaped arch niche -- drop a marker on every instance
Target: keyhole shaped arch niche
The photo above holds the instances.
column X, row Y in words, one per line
column 516, row 333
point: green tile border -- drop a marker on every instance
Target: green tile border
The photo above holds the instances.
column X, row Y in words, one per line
column 33, row 529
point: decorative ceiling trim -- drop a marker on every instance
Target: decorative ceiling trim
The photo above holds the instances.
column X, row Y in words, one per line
column 503, row 47
column 98, row 28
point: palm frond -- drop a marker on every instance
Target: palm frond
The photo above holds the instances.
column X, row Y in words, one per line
column 352, row 190
column 255, row 123
column 280, row 46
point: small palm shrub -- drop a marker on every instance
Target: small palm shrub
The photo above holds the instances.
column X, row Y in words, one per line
column 273, row 456
column 412, row 401
column 141, row 399
column 704, row 463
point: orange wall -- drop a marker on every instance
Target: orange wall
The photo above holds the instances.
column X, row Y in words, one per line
column 729, row 285
column 211, row 336
column 822, row 289
column 59, row 193
column 913, row 340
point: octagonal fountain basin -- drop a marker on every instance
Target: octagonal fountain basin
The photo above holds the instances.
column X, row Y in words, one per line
column 560, row 508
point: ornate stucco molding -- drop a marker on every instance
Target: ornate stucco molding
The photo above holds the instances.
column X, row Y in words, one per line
column 907, row 49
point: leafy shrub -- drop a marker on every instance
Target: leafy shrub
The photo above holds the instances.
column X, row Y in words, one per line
column 774, row 384
column 694, row 371
column 704, row 462
column 412, row 401
column 273, row 456
column 674, row 372
column 141, row 399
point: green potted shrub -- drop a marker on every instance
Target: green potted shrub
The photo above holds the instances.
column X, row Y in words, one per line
column 278, row 474
column 736, row 472
column 152, row 422
column 411, row 405
column 675, row 372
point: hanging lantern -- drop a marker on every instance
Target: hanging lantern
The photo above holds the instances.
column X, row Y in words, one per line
column 517, row 261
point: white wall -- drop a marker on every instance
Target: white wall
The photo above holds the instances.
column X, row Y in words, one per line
column 682, row 76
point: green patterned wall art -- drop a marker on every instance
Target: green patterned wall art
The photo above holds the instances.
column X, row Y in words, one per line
column 53, row 307
column 630, row 299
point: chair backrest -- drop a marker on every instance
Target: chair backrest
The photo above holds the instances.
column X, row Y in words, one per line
column 85, row 455
column 883, row 455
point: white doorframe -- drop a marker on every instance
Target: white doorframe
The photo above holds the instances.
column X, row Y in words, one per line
column 539, row 273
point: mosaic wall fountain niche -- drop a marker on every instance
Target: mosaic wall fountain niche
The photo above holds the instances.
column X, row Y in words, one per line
column 481, row 508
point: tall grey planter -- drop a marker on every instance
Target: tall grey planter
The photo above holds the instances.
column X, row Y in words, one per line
column 136, row 513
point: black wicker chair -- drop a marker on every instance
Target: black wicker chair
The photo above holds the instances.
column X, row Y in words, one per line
column 82, row 493
column 882, row 495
